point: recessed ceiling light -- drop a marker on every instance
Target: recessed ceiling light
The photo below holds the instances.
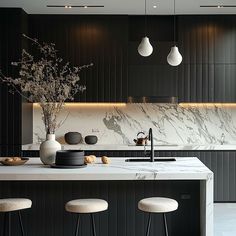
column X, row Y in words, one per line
column 85, row 6
column 154, row 6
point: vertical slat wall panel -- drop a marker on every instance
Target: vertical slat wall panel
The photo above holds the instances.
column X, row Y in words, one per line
column 102, row 40
column 48, row 217
column 12, row 24
column 208, row 71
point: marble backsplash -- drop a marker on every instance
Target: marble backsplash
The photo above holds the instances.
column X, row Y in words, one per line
column 172, row 124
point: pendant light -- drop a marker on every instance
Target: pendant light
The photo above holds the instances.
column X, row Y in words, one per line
column 145, row 49
column 174, row 58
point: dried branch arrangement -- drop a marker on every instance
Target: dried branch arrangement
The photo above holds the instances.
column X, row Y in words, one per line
column 47, row 80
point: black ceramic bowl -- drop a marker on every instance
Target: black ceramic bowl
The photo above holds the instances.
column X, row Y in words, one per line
column 73, row 138
column 69, row 157
column 91, row 139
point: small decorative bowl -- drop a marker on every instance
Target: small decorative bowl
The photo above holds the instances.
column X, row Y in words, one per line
column 91, row 139
column 14, row 163
column 73, row 138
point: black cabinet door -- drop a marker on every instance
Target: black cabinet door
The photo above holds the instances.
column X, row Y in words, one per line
column 151, row 76
column 208, row 71
column 101, row 40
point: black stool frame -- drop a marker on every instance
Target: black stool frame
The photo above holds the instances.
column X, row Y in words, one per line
column 92, row 223
column 149, row 224
column 7, row 224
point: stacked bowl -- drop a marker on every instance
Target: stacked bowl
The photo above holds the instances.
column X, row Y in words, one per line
column 69, row 159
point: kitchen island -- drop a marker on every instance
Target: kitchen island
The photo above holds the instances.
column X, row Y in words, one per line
column 122, row 184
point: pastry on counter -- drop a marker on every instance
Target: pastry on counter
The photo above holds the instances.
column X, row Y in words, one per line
column 105, row 160
column 90, row 159
column 14, row 161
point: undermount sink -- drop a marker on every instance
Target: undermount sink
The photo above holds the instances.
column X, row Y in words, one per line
column 148, row 159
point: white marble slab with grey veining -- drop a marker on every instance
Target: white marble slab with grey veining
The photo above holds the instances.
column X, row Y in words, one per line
column 118, row 169
column 184, row 168
column 171, row 124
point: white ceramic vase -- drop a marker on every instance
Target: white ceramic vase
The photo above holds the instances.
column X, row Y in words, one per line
column 48, row 149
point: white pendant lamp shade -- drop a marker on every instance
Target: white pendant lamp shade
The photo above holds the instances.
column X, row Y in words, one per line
column 174, row 58
column 145, row 49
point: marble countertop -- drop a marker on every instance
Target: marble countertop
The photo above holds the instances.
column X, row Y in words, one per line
column 184, row 168
column 118, row 147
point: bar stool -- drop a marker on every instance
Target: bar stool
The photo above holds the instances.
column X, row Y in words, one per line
column 86, row 206
column 9, row 205
column 157, row 205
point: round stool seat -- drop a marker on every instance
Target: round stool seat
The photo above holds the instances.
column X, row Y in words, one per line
column 86, row 205
column 157, row 205
column 14, row 204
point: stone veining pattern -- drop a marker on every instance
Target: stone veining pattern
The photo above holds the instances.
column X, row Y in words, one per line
column 172, row 124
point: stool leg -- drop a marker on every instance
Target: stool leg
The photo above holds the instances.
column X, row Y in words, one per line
column 149, row 224
column 9, row 223
column 165, row 224
column 4, row 224
column 21, row 224
column 93, row 224
column 77, row 226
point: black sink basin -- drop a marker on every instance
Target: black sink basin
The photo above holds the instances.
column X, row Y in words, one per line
column 148, row 160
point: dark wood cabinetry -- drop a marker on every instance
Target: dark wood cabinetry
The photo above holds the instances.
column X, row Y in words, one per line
column 208, row 71
column 13, row 22
column 207, row 44
column 81, row 40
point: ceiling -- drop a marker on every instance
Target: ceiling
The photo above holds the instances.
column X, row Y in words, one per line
column 131, row 7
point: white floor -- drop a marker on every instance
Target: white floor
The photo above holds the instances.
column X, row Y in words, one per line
column 225, row 219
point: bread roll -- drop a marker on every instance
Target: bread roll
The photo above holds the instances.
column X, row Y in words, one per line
column 88, row 160
column 105, row 160
column 93, row 158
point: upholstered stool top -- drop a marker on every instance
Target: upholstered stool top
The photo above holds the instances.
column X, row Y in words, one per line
column 86, row 205
column 14, row 204
column 157, row 205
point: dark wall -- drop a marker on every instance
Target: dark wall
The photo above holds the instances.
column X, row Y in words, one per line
column 207, row 44
column 207, row 73
column 85, row 39
column 12, row 23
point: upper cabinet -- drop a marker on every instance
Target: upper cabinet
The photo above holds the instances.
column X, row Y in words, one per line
column 207, row 44
column 151, row 76
column 102, row 40
column 208, row 71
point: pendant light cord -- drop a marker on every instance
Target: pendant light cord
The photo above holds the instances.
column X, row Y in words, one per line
column 174, row 24
column 145, row 26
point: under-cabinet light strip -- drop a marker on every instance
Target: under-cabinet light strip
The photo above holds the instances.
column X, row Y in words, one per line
column 207, row 104
column 90, row 104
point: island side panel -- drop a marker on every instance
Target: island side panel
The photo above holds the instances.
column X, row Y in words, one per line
column 48, row 217
column 206, row 202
